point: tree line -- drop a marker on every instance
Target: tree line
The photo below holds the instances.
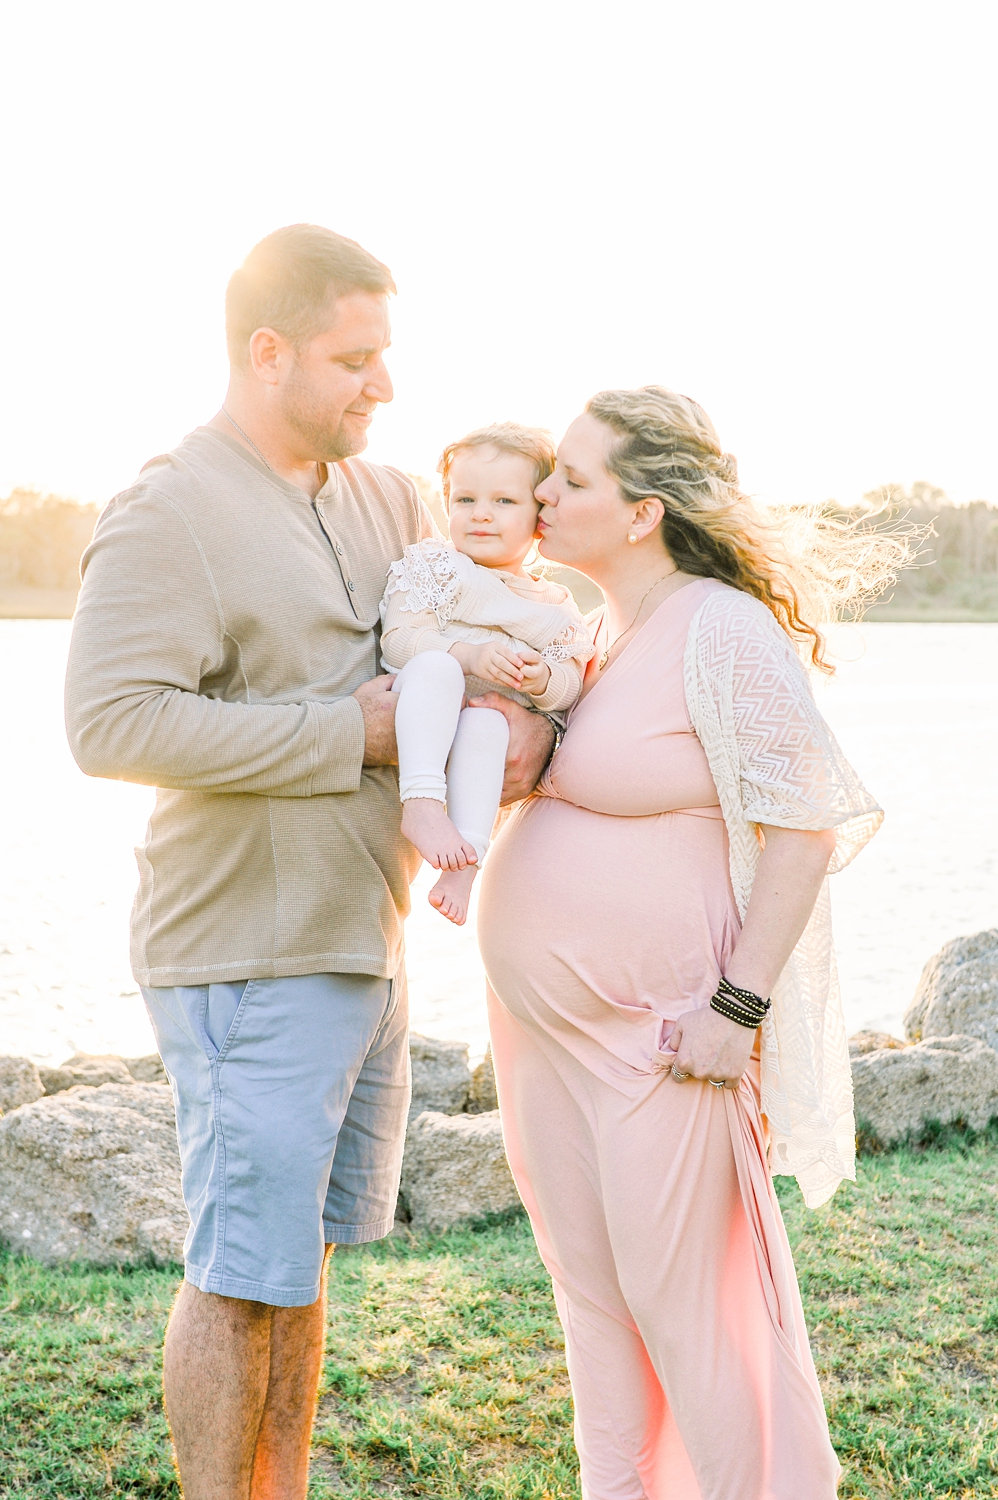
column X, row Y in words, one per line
column 43, row 536
column 957, row 566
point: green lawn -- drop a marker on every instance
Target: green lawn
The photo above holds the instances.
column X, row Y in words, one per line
column 445, row 1377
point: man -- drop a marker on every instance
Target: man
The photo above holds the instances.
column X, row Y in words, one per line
column 225, row 650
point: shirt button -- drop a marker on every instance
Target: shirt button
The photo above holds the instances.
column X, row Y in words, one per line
column 339, row 550
column 350, row 585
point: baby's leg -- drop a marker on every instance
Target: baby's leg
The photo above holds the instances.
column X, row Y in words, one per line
column 430, row 689
column 474, row 785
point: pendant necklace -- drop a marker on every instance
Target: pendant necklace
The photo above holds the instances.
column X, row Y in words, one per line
column 606, row 654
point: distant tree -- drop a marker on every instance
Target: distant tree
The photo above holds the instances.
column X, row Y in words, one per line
column 42, row 538
column 958, row 566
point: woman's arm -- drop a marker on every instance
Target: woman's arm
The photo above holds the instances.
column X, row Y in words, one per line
column 789, row 875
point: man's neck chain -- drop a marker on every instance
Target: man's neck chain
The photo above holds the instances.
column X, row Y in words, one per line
column 262, row 457
column 246, row 438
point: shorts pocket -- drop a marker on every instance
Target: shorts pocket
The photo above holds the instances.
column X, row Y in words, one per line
column 222, row 1011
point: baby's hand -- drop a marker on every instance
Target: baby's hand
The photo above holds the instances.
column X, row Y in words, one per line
column 536, row 674
column 497, row 663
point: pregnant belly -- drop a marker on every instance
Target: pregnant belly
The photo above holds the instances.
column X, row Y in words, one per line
column 606, row 925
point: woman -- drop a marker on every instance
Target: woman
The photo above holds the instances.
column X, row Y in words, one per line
column 635, row 918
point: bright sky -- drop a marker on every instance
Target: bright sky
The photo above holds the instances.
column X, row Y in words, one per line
column 785, row 209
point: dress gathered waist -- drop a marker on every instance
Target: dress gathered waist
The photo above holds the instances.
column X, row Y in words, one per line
column 547, row 788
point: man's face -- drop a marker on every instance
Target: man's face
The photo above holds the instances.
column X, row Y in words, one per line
column 332, row 385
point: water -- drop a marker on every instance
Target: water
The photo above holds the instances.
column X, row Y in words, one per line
column 915, row 706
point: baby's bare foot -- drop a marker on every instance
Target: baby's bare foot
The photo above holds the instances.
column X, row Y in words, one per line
column 452, row 893
column 426, row 824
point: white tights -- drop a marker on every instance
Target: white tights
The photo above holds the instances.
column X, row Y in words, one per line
column 455, row 755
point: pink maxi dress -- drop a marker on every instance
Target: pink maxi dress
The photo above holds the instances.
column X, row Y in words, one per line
column 605, row 912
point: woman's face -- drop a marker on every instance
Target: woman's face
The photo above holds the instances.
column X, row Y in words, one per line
column 584, row 518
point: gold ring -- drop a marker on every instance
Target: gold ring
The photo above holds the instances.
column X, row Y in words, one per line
column 715, row 1083
column 678, row 1076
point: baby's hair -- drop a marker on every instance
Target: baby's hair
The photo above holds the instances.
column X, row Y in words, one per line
column 509, row 437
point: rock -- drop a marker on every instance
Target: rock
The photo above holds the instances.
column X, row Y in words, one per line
column 949, row 1079
column 482, row 1094
column 958, row 991
column 872, row 1041
column 89, row 1068
column 93, row 1174
column 441, row 1077
column 454, row 1169
column 19, row 1083
column 148, row 1069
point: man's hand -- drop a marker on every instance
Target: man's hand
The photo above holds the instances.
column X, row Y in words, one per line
column 530, row 739
column 378, row 704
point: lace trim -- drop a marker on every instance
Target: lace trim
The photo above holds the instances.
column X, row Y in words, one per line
column 574, row 642
column 426, row 576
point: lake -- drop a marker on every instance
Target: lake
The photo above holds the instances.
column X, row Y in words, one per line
column 915, row 707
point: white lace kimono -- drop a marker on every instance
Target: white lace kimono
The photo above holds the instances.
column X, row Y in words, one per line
column 774, row 760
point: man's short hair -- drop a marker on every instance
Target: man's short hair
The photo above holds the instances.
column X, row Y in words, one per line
column 288, row 281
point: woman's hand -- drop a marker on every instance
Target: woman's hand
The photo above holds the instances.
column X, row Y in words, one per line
column 710, row 1047
column 791, row 868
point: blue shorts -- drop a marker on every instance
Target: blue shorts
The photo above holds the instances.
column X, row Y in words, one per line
column 291, row 1099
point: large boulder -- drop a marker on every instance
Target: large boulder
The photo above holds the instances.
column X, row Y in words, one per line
column 482, row 1097
column 148, row 1069
column 89, row 1068
column 441, row 1076
column 958, row 991
column 455, row 1169
column 872, row 1041
column 93, row 1174
column 19, row 1083
column 949, row 1079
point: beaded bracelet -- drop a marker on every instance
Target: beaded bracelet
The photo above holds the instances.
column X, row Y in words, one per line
column 741, row 1006
column 747, row 997
column 723, row 1007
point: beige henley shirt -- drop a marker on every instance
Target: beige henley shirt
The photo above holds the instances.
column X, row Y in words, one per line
column 225, row 619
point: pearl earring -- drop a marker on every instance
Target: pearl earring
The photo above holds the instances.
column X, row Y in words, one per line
column 632, row 537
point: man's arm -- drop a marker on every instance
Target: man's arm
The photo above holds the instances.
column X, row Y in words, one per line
column 147, row 632
column 531, row 740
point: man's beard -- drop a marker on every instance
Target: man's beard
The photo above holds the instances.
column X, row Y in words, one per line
column 305, row 418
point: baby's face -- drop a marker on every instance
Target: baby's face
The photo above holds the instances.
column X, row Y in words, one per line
column 492, row 510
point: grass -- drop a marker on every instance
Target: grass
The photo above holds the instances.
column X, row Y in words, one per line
column 445, row 1378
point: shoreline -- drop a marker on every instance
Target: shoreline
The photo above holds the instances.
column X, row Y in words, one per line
column 20, row 603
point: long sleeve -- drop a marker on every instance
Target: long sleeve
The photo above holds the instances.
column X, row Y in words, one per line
column 405, row 632
column 437, row 597
column 563, row 688
column 148, row 641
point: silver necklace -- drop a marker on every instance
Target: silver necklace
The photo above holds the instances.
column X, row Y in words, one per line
column 606, row 654
column 246, row 437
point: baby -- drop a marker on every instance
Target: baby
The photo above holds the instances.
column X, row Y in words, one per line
column 466, row 617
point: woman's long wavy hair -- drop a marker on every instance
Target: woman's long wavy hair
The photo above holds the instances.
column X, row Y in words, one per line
column 808, row 568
